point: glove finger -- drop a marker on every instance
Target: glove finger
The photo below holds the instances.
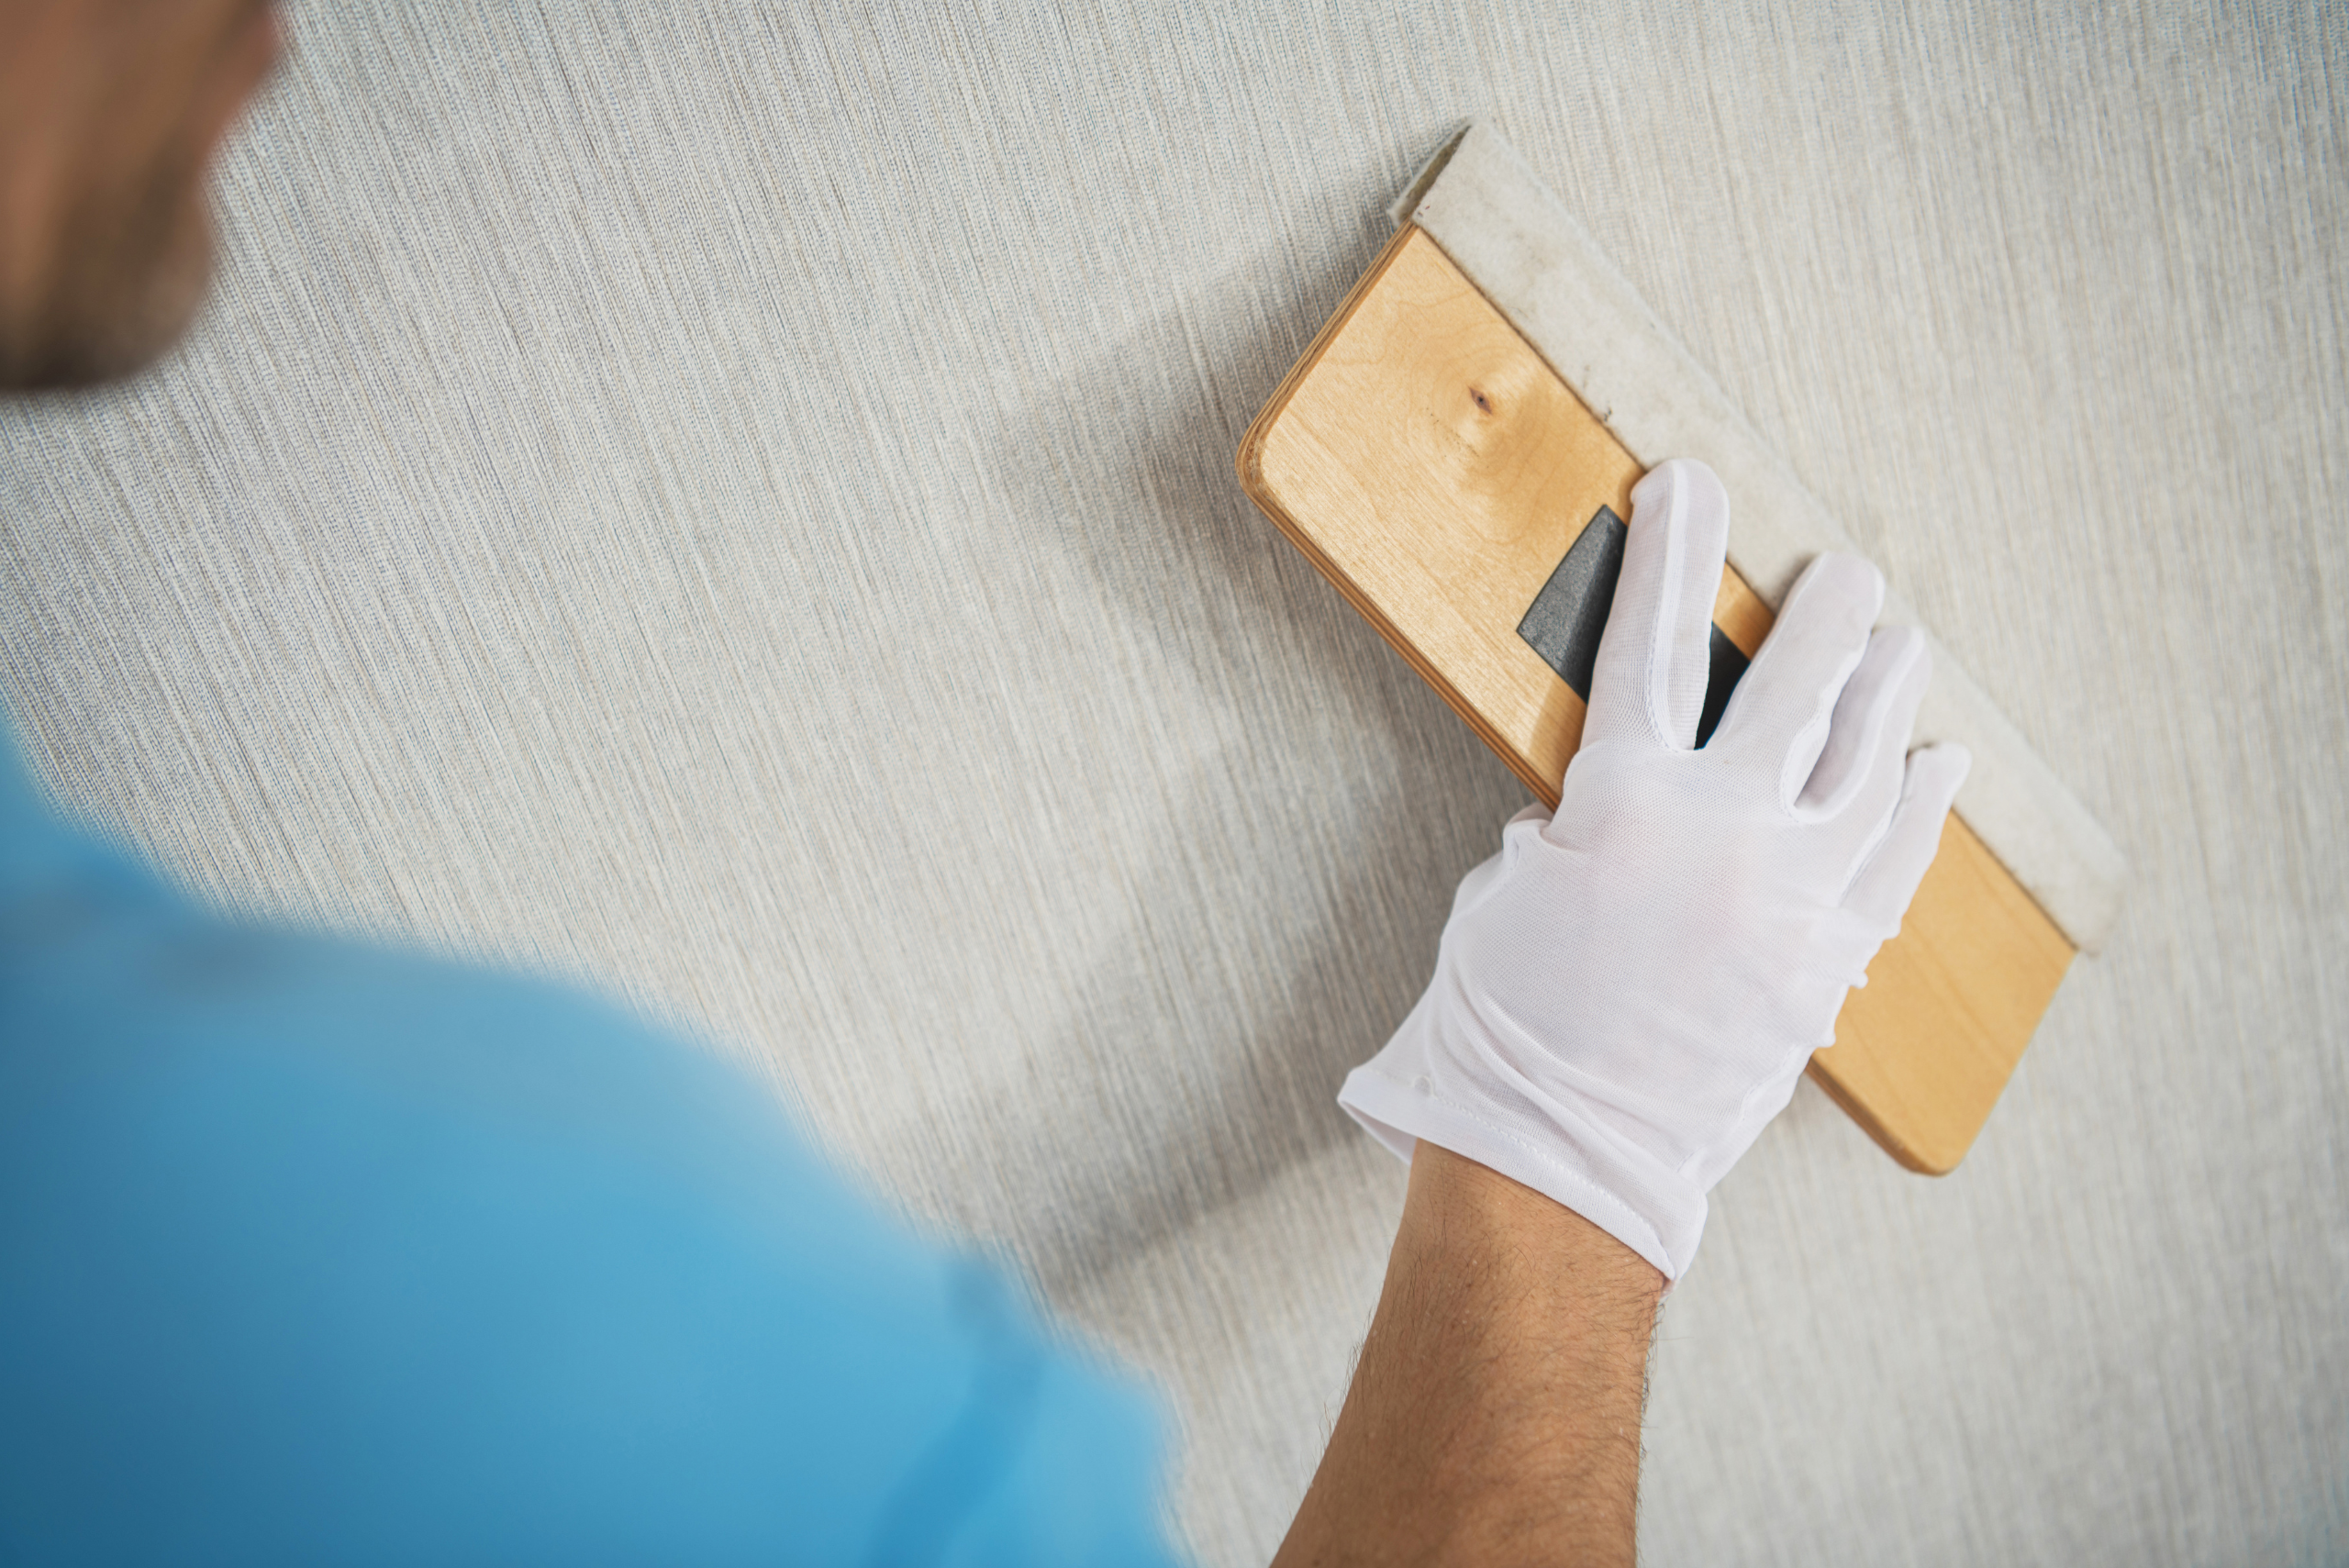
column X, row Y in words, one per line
column 1649, row 679
column 1780, row 714
column 1887, row 879
column 1870, row 732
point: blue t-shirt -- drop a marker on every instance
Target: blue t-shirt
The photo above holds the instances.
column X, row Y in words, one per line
column 315, row 1253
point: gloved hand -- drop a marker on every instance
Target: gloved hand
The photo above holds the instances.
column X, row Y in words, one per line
column 1625, row 995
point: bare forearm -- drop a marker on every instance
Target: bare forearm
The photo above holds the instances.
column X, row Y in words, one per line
column 1494, row 1413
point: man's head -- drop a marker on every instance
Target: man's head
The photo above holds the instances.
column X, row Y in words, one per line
column 110, row 113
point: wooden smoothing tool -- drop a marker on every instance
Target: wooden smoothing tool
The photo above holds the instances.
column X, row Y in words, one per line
column 1456, row 453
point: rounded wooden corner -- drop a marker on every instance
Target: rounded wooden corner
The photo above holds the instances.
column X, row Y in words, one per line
column 1937, row 1161
column 1248, row 462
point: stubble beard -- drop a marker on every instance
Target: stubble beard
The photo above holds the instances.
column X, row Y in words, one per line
column 133, row 271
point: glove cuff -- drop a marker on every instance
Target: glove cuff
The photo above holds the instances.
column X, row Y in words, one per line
column 1570, row 1161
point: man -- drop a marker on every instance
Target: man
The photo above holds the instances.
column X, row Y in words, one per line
column 312, row 1253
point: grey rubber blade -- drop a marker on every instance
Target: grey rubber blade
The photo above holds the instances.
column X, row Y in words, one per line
column 1569, row 615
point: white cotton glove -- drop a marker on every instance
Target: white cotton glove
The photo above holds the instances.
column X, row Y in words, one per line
column 1626, row 994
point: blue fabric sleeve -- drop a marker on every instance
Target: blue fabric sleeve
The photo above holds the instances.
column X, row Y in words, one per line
column 315, row 1253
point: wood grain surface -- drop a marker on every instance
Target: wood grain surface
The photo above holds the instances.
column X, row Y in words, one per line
column 1435, row 467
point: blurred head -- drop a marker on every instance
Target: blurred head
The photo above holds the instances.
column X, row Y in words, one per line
column 110, row 113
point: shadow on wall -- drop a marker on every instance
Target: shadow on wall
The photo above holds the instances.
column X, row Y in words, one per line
column 1292, row 918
